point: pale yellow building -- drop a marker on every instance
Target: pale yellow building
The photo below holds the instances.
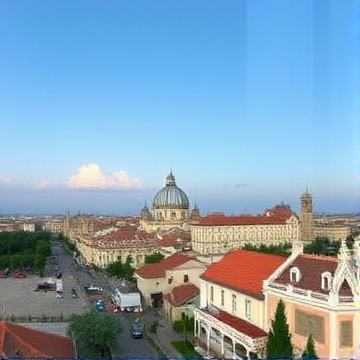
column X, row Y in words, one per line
column 219, row 234
column 154, row 281
column 331, row 231
column 111, row 245
column 231, row 318
column 181, row 301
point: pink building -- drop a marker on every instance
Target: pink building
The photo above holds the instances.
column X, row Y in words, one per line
column 321, row 298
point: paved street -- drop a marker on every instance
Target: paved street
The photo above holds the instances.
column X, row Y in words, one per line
column 128, row 347
column 17, row 297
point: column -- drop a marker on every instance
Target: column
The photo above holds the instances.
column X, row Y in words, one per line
column 333, row 332
column 222, row 343
column 208, row 331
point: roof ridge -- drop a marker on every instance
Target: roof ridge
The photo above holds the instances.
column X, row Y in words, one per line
column 320, row 257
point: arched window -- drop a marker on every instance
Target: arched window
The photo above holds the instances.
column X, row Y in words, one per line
column 295, row 274
column 326, row 279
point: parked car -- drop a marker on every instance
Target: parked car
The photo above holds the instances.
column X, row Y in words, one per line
column 137, row 331
column 100, row 305
column 74, row 293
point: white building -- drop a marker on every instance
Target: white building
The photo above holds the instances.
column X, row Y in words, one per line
column 231, row 320
column 219, row 234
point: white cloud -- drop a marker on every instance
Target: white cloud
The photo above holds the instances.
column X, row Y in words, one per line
column 91, row 176
column 5, row 179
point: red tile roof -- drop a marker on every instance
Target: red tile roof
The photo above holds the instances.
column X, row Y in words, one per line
column 311, row 267
column 275, row 216
column 223, row 220
column 129, row 238
column 240, row 325
column 170, row 240
column 29, row 343
column 281, row 211
column 244, row 271
column 157, row 270
column 182, row 294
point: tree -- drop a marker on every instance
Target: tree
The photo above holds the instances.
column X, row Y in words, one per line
column 128, row 270
column 183, row 326
column 115, row 269
column 153, row 258
column 279, row 339
column 310, row 352
column 122, row 271
column 95, row 330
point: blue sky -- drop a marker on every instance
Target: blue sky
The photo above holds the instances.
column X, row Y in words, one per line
column 249, row 102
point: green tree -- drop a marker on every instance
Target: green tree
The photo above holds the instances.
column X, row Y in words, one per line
column 279, row 339
column 184, row 326
column 153, row 258
column 128, row 270
column 310, row 352
column 95, row 330
column 43, row 247
column 115, row 269
column 122, row 271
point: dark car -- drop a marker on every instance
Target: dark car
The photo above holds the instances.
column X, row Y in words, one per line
column 137, row 331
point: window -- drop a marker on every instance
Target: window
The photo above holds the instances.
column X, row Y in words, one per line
column 248, row 308
column 233, row 303
column 186, row 278
column 325, row 281
column 170, row 280
column 294, row 274
column 222, row 297
column 346, row 334
column 211, row 294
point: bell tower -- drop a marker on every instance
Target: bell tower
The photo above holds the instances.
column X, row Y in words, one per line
column 306, row 218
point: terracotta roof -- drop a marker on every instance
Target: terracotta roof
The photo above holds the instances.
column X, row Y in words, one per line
column 223, row 220
column 311, row 267
column 157, row 270
column 240, row 325
column 281, row 211
column 29, row 343
column 182, row 294
column 125, row 238
column 170, row 240
column 243, row 270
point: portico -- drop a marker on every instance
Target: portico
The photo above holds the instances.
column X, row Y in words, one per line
column 221, row 334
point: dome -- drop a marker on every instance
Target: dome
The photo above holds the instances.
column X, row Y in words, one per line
column 170, row 196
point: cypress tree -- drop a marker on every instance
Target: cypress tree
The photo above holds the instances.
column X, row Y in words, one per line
column 310, row 352
column 279, row 339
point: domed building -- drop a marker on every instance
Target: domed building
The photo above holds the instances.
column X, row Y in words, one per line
column 170, row 209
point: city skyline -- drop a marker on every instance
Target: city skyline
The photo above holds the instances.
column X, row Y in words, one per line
column 248, row 105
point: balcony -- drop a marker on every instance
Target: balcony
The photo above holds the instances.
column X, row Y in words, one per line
column 222, row 332
column 312, row 296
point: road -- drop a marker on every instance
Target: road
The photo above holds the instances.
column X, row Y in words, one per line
column 132, row 348
column 128, row 347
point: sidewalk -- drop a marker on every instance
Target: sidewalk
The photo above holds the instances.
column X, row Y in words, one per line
column 164, row 336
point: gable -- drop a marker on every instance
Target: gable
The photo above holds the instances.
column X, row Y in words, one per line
column 306, row 271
